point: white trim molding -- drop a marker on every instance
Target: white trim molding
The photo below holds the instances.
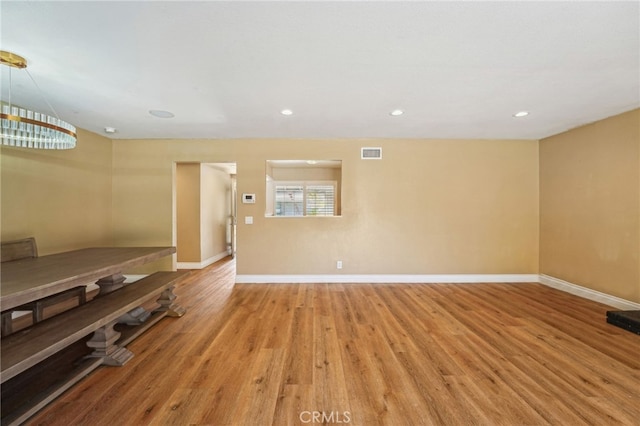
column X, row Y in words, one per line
column 547, row 280
column 204, row 263
column 388, row 279
column 588, row 293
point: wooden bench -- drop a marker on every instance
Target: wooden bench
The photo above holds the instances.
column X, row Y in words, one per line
column 23, row 249
column 26, row 348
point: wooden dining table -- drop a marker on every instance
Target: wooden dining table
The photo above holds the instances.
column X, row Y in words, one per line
column 26, row 280
column 41, row 361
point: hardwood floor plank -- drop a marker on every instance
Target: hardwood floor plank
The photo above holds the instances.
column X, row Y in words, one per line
column 346, row 327
column 397, row 395
column 365, row 408
column 583, row 367
column 372, row 354
column 257, row 399
column 422, row 322
column 305, row 295
column 300, row 348
column 328, row 374
column 293, row 405
column 486, row 367
column 279, row 318
column 578, row 405
column 184, row 407
column 322, row 300
column 373, row 311
column 441, row 406
column 610, row 413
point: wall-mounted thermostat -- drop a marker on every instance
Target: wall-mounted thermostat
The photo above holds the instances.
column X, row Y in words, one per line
column 249, row 198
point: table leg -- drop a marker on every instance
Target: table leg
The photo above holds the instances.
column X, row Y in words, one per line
column 103, row 343
column 110, row 283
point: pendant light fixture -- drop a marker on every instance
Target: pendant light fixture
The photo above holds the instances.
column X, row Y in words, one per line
column 24, row 128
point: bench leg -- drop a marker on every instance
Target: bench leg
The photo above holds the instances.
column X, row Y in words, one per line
column 139, row 315
column 7, row 323
column 103, row 343
column 136, row 316
column 167, row 304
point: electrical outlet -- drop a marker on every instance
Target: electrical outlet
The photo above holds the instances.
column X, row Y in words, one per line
column 339, row 264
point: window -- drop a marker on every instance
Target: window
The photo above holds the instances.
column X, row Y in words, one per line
column 304, row 198
column 289, row 200
column 297, row 188
column 320, row 200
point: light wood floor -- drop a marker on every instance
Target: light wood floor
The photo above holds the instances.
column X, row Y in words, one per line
column 402, row 354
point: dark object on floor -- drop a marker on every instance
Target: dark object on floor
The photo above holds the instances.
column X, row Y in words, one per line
column 629, row 320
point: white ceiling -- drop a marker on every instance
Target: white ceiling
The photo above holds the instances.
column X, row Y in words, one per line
column 227, row 69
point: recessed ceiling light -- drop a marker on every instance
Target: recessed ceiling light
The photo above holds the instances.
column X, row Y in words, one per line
column 161, row 114
column 286, row 112
column 109, row 129
column 396, row 112
column 521, row 114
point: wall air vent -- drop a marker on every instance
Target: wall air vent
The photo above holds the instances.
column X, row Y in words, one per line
column 370, row 153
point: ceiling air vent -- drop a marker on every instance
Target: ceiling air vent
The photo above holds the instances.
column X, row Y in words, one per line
column 371, row 153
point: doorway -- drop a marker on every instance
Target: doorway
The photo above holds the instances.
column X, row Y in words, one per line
column 205, row 209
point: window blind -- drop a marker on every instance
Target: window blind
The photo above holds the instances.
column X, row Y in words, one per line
column 320, row 200
column 289, row 200
column 304, row 199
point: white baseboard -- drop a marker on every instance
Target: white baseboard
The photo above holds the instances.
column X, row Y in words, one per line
column 379, row 278
column 588, row 293
column 204, row 263
column 556, row 283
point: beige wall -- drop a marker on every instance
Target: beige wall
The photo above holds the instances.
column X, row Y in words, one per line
column 137, row 218
column 188, row 212
column 429, row 207
column 590, row 206
column 62, row 198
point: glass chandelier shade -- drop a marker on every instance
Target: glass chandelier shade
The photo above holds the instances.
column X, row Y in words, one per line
column 24, row 128
column 28, row 129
